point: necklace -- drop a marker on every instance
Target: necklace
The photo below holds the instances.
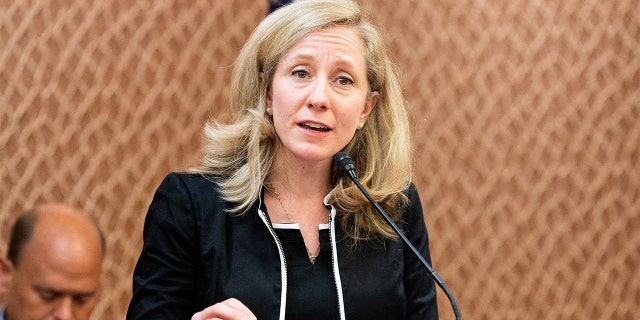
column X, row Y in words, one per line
column 269, row 186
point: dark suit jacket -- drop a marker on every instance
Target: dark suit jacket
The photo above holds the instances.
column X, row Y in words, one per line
column 195, row 254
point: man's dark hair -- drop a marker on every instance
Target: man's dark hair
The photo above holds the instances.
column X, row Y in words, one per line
column 21, row 233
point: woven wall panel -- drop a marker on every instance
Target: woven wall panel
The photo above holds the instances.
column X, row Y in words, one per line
column 525, row 114
column 100, row 99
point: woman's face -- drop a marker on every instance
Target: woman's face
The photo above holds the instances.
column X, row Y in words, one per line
column 319, row 94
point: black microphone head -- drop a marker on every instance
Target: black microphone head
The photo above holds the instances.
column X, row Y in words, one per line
column 344, row 162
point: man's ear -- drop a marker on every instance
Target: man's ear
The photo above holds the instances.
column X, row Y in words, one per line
column 6, row 273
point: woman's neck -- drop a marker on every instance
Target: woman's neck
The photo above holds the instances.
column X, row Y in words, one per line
column 301, row 179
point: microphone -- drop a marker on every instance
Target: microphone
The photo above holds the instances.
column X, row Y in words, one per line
column 344, row 162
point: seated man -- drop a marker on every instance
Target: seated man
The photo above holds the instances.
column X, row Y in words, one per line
column 53, row 265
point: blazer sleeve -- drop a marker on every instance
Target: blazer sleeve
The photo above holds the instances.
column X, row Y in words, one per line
column 420, row 287
column 164, row 279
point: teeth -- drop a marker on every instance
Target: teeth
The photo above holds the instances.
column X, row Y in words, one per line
column 315, row 126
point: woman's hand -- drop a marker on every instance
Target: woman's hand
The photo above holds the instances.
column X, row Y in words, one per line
column 230, row 309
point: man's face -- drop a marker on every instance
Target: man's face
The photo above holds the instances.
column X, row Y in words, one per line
column 54, row 280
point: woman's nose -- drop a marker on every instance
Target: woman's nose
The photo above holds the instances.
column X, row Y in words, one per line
column 319, row 95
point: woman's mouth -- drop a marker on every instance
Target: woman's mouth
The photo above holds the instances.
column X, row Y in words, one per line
column 313, row 126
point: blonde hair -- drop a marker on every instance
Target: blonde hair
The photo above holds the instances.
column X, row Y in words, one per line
column 240, row 154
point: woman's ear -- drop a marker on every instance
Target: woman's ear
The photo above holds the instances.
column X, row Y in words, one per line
column 269, row 99
column 268, row 107
column 369, row 104
column 269, row 102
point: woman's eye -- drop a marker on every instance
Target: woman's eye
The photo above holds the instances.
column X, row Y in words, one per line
column 300, row 73
column 345, row 81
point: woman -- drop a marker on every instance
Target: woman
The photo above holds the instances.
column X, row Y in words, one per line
column 267, row 228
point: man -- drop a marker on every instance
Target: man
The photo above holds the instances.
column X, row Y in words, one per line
column 53, row 265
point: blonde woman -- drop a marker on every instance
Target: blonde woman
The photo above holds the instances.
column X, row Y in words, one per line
column 267, row 228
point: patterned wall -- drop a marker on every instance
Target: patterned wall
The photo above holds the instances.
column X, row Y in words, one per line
column 526, row 118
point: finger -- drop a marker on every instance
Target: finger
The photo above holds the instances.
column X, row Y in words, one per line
column 238, row 306
column 230, row 309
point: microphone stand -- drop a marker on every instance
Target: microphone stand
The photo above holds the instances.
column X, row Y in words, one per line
column 345, row 162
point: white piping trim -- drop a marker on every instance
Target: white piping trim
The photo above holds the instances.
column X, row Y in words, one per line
column 336, row 269
column 283, row 266
column 288, row 226
column 295, row 226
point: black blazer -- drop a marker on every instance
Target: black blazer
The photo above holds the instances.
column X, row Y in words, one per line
column 195, row 254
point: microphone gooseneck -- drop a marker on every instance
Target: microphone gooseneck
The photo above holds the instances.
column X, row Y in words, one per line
column 344, row 163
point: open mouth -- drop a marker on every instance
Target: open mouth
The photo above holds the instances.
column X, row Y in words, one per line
column 313, row 126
